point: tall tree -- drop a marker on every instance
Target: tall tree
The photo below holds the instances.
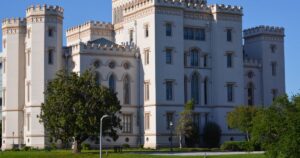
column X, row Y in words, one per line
column 242, row 118
column 186, row 127
column 277, row 128
column 74, row 105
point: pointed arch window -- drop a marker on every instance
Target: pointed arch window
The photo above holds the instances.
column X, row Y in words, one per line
column 185, row 89
column 126, row 90
column 112, row 83
column 195, row 88
column 205, row 91
column 194, row 57
column 250, row 93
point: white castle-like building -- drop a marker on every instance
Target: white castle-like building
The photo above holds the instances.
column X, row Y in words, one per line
column 157, row 55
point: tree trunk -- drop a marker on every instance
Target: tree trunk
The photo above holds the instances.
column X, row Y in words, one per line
column 247, row 134
column 76, row 147
column 180, row 141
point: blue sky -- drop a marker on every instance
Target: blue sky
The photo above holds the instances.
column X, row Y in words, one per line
column 257, row 12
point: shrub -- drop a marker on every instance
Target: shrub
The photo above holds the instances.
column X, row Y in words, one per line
column 26, row 148
column 237, row 146
column 141, row 146
column 212, row 135
column 126, row 146
column 85, row 146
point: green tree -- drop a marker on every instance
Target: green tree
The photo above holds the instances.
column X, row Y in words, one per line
column 277, row 128
column 186, row 127
column 74, row 105
column 242, row 118
column 212, row 134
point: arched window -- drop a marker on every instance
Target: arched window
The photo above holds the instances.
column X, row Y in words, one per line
column 126, row 90
column 185, row 89
column 194, row 57
column 250, row 93
column 98, row 78
column 112, row 83
column 205, row 91
column 195, row 88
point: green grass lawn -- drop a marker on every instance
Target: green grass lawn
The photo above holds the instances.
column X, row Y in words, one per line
column 94, row 154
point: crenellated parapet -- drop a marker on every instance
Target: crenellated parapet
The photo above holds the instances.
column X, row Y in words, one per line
column 250, row 62
column 90, row 25
column 228, row 9
column 44, row 10
column 113, row 50
column 264, row 30
column 13, row 25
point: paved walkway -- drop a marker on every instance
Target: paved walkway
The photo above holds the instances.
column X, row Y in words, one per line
column 201, row 153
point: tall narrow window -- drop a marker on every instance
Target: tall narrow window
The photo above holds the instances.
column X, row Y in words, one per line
column 28, row 33
column 3, row 124
column 196, row 120
column 98, row 78
column 50, row 57
column 168, row 56
column 126, row 90
column 274, row 94
column 185, row 59
column 274, row 68
column 112, row 83
column 229, row 35
column 4, row 65
column 229, row 60
column 185, row 89
column 4, row 43
column 273, row 48
column 147, row 121
column 147, row 95
column 250, row 91
column 205, row 61
column 127, row 123
column 28, row 92
column 28, row 122
column 4, row 97
column 50, row 32
column 194, row 57
column 195, row 88
column 130, row 36
column 230, row 92
column 146, row 31
column 205, row 91
column 169, row 119
column 168, row 29
column 169, row 90
column 146, row 54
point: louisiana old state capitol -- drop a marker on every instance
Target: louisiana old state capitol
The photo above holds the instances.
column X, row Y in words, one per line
column 156, row 54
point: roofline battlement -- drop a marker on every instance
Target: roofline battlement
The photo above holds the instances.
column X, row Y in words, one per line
column 191, row 6
column 252, row 62
column 260, row 30
column 229, row 9
column 34, row 10
column 90, row 25
column 96, row 48
column 13, row 22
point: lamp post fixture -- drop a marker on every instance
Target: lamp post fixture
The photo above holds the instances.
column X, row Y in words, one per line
column 100, row 137
column 171, row 136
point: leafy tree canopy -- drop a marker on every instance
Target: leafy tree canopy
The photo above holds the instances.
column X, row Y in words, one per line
column 277, row 128
column 74, row 105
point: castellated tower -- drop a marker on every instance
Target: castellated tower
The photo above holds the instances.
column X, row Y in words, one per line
column 14, row 31
column 43, row 60
column 266, row 43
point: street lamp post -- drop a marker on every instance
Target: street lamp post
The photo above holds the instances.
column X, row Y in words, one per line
column 100, row 137
column 171, row 138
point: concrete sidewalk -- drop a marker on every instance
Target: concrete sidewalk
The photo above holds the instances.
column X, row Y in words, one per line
column 200, row 153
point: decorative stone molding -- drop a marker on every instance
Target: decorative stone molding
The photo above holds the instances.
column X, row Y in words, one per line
column 264, row 30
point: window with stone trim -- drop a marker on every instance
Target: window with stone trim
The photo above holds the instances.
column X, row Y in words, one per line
column 197, row 34
column 3, row 124
column 250, row 93
column 273, row 48
column 4, row 43
column 50, row 32
column 229, row 58
column 274, row 94
column 229, row 35
column 147, row 121
column 205, row 88
column 146, row 56
column 169, row 29
column 169, row 119
column 131, row 36
column 230, row 92
column 169, row 90
column 112, row 83
column 28, row 91
column 126, row 89
column 4, row 65
column 127, row 123
column 146, row 30
column 4, row 96
column 205, row 60
column 28, row 122
column 169, row 56
column 194, row 57
column 185, row 89
column 50, row 57
column 195, row 86
column 147, row 91
column 274, row 68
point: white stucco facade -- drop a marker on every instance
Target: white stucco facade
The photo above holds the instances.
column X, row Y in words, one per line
column 156, row 55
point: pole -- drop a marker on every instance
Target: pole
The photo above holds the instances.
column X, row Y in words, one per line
column 100, row 137
column 13, row 133
column 171, row 138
